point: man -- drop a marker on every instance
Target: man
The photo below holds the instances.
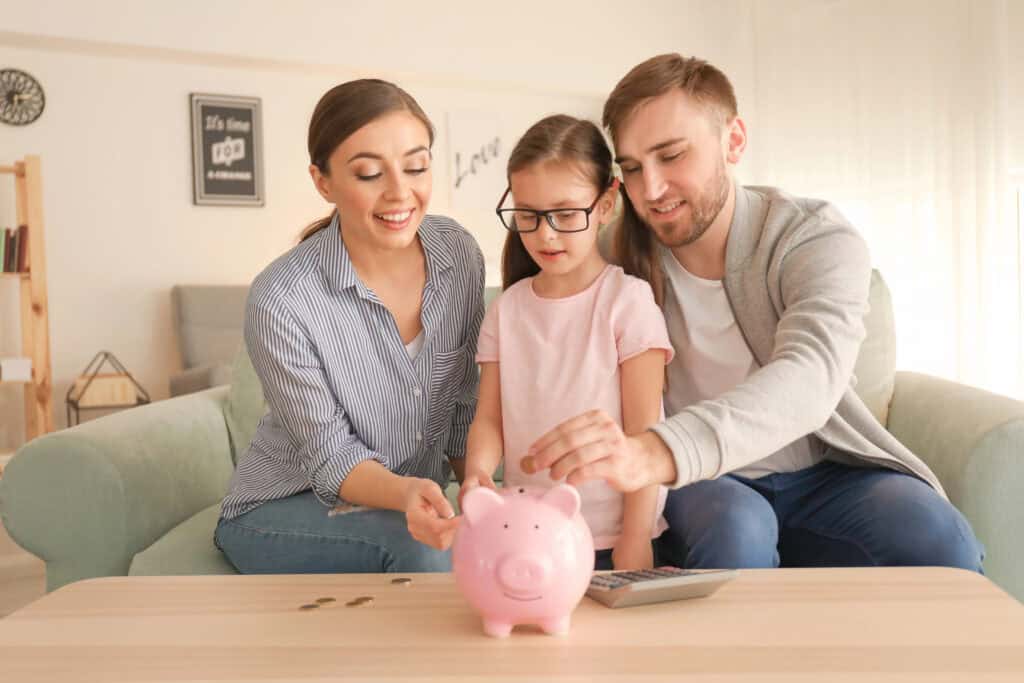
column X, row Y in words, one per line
column 773, row 457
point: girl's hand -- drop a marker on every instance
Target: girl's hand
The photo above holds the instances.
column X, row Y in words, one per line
column 473, row 479
column 429, row 515
column 632, row 553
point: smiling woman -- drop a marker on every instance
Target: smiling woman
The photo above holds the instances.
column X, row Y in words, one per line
column 363, row 336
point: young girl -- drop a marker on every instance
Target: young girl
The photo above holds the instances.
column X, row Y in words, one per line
column 570, row 333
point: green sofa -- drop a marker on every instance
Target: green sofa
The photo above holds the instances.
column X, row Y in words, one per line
column 138, row 492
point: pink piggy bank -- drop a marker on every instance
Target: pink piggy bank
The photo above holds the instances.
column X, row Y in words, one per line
column 524, row 556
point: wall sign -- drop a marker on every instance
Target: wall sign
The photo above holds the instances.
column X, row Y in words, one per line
column 227, row 150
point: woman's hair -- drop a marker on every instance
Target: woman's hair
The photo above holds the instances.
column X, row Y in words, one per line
column 342, row 111
column 558, row 138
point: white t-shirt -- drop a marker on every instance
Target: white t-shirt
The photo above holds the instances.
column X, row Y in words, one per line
column 712, row 357
column 413, row 347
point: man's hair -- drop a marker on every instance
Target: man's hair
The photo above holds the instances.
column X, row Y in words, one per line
column 703, row 82
column 633, row 246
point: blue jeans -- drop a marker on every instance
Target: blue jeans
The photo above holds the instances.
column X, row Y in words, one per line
column 828, row 515
column 296, row 535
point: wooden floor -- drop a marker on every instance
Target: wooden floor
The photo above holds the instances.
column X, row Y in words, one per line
column 22, row 576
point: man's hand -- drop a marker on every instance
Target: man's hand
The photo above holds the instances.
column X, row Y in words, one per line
column 429, row 515
column 593, row 446
column 632, row 552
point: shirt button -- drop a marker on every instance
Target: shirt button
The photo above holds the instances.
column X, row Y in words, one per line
column 419, row 436
column 416, row 391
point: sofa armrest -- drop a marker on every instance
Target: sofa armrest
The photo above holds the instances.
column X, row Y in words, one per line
column 974, row 442
column 199, row 378
column 87, row 499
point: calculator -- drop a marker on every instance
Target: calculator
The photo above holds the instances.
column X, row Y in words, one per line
column 642, row 587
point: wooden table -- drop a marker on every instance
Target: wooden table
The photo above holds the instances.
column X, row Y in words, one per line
column 908, row 624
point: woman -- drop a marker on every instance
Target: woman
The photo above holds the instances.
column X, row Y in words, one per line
column 363, row 336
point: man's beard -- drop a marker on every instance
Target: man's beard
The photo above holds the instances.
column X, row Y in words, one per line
column 703, row 212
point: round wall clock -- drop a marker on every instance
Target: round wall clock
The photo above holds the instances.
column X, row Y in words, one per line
column 21, row 97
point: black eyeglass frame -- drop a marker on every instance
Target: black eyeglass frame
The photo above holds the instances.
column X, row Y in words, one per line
column 546, row 213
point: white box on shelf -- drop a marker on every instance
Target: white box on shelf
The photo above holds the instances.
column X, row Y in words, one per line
column 16, row 369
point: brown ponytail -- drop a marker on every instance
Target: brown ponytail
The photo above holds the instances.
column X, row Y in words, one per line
column 634, row 249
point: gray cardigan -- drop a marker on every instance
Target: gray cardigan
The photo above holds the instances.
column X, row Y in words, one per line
column 797, row 278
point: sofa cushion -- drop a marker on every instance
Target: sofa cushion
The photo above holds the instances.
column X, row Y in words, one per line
column 186, row 549
column 208, row 319
column 875, row 371
column 245, row 405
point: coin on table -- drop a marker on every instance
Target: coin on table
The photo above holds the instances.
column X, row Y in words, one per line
column 402, row 581
column 361, row 600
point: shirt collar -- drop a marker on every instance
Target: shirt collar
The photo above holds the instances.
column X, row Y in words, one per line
column 337, row 266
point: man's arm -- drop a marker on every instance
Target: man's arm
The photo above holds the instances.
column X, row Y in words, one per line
column 823, row 283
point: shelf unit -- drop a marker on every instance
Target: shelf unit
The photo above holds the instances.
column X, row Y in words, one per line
column 34, row 313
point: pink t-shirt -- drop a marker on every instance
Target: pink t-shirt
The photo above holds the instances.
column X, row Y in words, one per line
column 559, row 358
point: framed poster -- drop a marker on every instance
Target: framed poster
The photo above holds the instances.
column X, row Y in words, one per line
column 227, row 150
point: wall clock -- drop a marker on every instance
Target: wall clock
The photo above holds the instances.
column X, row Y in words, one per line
column 21, row 97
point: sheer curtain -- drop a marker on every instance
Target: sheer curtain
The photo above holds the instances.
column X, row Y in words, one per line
column 898, row 113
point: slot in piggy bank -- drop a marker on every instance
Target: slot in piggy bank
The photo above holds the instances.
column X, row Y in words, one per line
column 523, row 556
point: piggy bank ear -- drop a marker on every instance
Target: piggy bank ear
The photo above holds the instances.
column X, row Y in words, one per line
column 478, row 502
column 564, row 498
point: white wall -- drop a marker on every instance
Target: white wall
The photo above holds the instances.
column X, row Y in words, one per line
column 121, row 228
column 1015, row 87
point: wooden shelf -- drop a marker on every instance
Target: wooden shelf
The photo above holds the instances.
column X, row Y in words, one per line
column 35, row 325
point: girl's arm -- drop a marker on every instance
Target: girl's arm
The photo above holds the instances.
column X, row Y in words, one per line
column 642, row 380
column 484, row 447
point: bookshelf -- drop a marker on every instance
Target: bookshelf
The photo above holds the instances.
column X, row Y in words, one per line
column 35, row 327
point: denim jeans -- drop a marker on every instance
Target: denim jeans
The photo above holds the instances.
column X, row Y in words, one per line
column 828, row 515
column 299, row 535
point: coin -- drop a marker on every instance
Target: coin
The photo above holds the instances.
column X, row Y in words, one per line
column 402, row 581
column 308, row 607
column 361, row 600
column 324, row 601
column 528, row 464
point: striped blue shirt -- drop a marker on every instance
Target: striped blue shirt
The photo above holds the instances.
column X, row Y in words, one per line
column 340, row 385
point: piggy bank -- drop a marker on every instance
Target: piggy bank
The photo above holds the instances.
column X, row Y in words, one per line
column 523, row 556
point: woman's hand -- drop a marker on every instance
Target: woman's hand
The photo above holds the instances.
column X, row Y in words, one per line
column 632, row 552
column 429, row 515
column 473, row 479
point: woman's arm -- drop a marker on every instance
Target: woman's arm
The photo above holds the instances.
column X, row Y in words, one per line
column 428, row 513
column 465, row 404
column 642, row 378
column 336, row 460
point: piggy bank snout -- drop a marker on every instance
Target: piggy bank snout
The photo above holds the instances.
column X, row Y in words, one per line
column 522, row 573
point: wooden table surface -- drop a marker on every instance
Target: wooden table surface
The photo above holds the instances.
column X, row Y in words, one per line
column 891, row 624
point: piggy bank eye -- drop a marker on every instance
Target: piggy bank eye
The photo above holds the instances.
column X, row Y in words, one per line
column 536, row 526
column 506, row 526
column 522, row 490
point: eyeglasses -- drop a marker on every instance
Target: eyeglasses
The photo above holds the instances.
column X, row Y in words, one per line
column 568, row 219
